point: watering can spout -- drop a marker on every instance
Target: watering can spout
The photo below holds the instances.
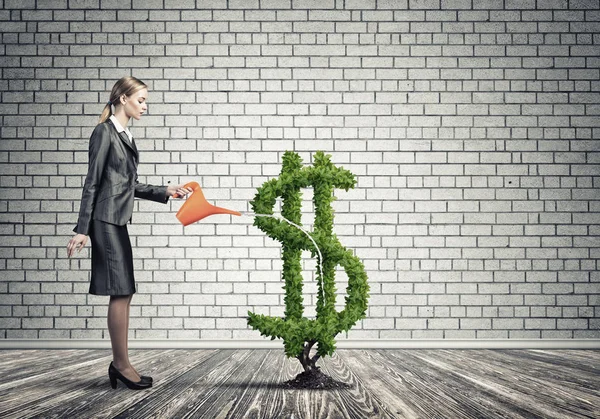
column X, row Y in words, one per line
column 196, row 207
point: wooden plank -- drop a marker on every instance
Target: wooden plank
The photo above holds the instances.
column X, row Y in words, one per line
column 587, row 357
column 274, row 399
column 550, row 372
column 46, row 386
column 358, row 401
column 263, row 395
column 386, row 386
column 163, row 369
column 19, row 364
column 199, row 390
column 223, row 397
column 9, row 358
column 84, row 390
column 554, row 389
column 563, row 361
column 420, row 390
column 502, row 384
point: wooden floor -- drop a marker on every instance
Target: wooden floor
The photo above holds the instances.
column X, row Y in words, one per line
column 407, row 383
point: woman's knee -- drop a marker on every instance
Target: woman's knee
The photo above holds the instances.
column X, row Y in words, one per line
column 120, row 298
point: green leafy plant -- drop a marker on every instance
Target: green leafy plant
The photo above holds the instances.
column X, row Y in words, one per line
column 299, row 333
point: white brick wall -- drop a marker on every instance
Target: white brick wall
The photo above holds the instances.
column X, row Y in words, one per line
column 472, row 128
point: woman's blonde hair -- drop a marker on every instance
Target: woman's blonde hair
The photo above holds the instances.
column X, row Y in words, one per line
column 125, row 86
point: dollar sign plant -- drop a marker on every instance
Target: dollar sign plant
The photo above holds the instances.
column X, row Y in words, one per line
column 299, row 333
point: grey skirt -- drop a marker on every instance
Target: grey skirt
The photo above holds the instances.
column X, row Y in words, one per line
column 112, row 260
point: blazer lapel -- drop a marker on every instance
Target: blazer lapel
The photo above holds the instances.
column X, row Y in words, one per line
column 128, row 143
column 137, row 153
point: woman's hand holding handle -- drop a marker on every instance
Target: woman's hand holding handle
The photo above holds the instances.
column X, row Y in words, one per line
column 178, row 191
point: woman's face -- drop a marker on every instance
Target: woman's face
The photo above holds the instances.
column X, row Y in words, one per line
column 135, row 105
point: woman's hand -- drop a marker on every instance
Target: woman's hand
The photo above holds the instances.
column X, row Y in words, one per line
column 77, row 242
column 179, row 190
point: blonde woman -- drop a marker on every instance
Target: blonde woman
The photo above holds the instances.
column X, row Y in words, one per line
column 106, row 206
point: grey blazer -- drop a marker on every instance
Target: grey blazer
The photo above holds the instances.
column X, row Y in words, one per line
column 112, row 181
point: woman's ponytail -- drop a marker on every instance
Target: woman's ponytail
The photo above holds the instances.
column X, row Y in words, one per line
column 106, row 112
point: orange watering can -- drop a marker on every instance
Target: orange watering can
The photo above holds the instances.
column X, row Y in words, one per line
column 196, row 207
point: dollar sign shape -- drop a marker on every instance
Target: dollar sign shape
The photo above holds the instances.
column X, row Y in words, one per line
column 298, row 332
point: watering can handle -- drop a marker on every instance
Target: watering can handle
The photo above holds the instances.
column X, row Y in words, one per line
column 193, row 185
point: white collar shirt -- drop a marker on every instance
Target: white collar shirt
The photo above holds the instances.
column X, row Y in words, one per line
column 119, row 127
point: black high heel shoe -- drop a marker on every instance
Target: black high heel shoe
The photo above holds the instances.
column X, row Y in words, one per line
column 114, row 373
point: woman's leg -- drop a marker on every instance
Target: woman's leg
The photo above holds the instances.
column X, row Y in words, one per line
column 118, row 315
column 127, row 341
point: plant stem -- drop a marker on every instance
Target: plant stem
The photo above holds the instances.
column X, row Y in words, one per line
column 308, row 363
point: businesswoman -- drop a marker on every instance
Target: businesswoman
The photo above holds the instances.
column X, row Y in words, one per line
column 106, row 206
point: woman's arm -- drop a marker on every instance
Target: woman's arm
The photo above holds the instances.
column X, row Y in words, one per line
column 159, row 193
column 150, row 192
column 98, row 153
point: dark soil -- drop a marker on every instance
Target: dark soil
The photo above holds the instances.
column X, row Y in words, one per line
column 314, row 379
